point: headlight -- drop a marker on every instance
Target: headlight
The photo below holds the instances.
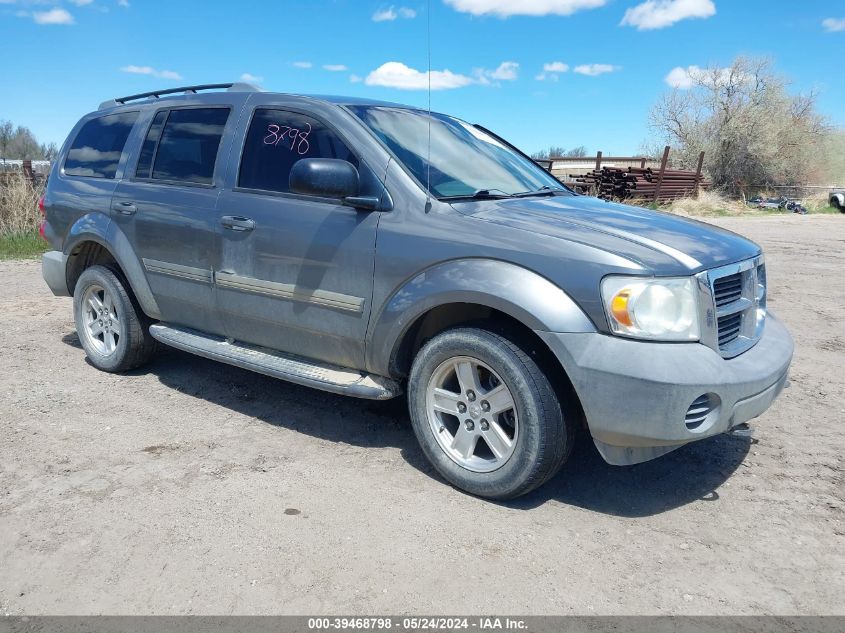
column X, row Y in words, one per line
column 664, row 309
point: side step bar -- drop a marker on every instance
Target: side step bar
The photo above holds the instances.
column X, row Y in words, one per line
column 331, row 378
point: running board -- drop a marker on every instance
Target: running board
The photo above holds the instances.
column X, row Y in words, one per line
column 295, row 369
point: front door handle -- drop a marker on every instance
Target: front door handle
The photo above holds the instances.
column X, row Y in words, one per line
column 125, row 208
column 237, row 223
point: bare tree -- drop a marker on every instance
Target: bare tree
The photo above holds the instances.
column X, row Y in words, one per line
column 556, row 151
column 752, row 131
column 20, row 143
column 49, row 151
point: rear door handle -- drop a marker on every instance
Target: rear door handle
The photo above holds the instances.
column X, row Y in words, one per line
column 125, row 208
column 237, row 223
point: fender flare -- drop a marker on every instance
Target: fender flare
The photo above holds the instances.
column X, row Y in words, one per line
column 96, row 227
column 518, row 292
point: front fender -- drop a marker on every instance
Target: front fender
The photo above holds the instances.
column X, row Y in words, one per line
column 96, row 227
column 520, row 293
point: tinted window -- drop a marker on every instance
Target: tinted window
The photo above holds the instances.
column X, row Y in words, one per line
column 276, row 140
column 145, row 161
column 97, row 148
column 189, row 142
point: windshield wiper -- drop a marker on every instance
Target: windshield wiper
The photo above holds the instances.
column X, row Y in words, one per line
column 542, row 191
column 481, row 194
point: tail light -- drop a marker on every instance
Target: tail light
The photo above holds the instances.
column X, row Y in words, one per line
column 43, row 226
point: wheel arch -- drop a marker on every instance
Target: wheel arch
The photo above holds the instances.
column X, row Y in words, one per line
column 459, row 292
column 94, row 239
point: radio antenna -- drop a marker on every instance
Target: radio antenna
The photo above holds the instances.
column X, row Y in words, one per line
column 428, row 162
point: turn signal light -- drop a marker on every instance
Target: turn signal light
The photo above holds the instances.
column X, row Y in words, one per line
column 619, row 307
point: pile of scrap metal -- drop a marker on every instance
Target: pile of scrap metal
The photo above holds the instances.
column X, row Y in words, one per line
column 641, row 184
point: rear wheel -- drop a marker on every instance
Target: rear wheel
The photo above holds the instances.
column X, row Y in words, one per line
column 485, row 414
column 113, row 330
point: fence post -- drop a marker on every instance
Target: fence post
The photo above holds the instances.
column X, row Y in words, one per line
column 642, row 163
column 698, row 172
column 660, row 175
column 28, row 174
column 598, row 161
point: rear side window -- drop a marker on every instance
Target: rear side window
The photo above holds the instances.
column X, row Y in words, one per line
column 276, row 140
column 187, row 149
column 145, row 160
column 98, row 146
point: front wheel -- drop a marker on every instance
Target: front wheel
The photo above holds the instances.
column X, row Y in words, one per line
column 112, row 328
column 485, row 414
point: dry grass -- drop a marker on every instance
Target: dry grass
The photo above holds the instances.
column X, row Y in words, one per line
column 713, row 204
column 710, row 204
column 19, row 214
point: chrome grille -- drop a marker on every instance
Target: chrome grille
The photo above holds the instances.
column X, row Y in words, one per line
column 729, row 327
column 727, row 289
column 738, row 294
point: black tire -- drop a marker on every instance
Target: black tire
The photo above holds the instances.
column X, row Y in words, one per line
column 545, row 437
column 132, row 346
column 834, row 202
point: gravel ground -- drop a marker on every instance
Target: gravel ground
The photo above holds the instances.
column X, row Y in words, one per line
column 193, row 487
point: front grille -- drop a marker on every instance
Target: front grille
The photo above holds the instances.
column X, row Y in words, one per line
column 739, row 300
column 729, row 328
column 727, row 289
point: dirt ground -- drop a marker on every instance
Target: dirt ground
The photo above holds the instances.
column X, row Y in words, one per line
column 191, row 487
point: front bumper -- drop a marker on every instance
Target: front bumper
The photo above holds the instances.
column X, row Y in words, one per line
column 636, row 394
column 53, row 270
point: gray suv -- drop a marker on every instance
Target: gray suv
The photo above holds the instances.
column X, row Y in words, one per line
column 371, row 249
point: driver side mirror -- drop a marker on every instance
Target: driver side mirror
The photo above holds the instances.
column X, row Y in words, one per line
column 330, row 178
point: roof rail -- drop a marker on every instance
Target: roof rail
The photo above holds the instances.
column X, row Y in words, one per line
column 186, row 90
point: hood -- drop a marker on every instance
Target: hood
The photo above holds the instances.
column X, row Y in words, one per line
column 694, row 245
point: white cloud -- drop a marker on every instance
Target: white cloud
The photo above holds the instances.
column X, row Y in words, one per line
column 686, row 78
column 303, row 64
column 53, row 16
column 251, row 79
column 355, row 79
column 390, row 13
column 594, row 70
column 506, row 71
column 148, row 70
column 398, row 75
column 551, row 71
column 335, row 68
column 123, row 3
column 657, row 14
column 834, row 25
column 507, row 8
column 555, row 67
column 81, row 3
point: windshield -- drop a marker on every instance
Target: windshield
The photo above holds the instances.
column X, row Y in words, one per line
column 465, row 160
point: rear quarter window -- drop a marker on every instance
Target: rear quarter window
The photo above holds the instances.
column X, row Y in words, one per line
column 99, row 145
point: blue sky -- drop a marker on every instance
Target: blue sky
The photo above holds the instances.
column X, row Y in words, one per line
column 606, row 61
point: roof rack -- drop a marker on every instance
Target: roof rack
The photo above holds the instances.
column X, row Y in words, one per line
column 186, row 90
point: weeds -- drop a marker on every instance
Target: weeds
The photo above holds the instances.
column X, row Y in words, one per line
column 21, row 246
column 19, row 214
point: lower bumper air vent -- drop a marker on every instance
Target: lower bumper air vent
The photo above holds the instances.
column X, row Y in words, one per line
column 699, row 411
